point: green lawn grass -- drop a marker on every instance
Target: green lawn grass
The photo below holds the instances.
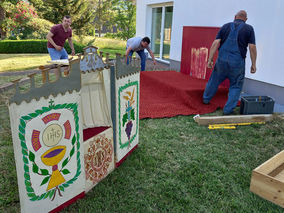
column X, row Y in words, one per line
column 106, row 45
column 178, row 167
column 112, row 52
column 18, row 62
column 7, row 79
column 111, row 46
column 101, row 42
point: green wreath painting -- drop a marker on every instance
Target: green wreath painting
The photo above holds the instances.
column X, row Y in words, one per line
column 51, row 150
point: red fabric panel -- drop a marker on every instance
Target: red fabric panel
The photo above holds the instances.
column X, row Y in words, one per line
column 170, row 93
column 90, row 132
column 196, row 43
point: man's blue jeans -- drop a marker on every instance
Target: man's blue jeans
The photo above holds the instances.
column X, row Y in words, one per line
column 142, row 55
column 57, row 55
column 235, row 72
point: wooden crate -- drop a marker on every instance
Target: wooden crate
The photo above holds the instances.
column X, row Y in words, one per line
column 267, row 180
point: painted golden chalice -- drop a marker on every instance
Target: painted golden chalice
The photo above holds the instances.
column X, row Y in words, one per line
column 51, row 158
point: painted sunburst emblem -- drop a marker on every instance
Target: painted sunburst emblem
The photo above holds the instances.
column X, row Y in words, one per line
column 98, row 159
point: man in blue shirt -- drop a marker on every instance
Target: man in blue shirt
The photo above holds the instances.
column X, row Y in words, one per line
column 138, row 44
column 232, row 41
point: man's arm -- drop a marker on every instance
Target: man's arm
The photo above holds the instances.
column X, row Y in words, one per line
column 253, row 54
column 215, row 45
column 71, row 45
column 127, row 53
column 152, row 56
column 49, row 38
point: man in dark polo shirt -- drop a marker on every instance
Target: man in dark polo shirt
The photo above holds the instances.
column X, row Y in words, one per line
column 56, row 38
column 232, row 41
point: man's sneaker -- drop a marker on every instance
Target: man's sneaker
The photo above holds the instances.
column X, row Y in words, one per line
column 206, row 102
column 230, row 113
column 234, row 112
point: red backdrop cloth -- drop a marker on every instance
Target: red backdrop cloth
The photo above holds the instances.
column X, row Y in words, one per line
column 196, row 43
column 170, row 93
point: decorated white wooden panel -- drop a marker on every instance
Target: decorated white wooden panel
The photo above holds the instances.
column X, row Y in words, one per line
column 99, row 157
column 47, row 140
column 127, row 114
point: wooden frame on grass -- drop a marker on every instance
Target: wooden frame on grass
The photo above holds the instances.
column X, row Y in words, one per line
column 267, row 180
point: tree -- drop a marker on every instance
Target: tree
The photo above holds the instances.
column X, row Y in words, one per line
column 104, row 14
column 54, row 11
column 2, row 17
column 22, row 22
column 44, row 11
column 4, row 5
column 125, row 18
column 118, row 13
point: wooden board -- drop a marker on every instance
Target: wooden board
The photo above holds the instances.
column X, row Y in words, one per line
column 267, row 180
column 61, row 62
column 207, row 120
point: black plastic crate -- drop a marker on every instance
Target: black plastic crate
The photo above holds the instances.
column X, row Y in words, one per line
column 256, row 105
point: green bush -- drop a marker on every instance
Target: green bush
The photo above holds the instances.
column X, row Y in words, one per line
column 120, row 35
column 33, row 46
column 111, row 35
column 37, row 30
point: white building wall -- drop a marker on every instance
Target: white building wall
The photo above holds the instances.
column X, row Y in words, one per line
column 265, row 16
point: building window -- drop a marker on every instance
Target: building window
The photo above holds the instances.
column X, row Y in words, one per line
column 161, row 31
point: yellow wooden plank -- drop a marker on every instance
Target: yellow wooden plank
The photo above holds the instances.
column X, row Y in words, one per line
column 221, row 127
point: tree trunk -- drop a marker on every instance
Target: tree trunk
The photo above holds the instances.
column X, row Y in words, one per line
column 100, row 27
column 100, row 30
column 2, row 17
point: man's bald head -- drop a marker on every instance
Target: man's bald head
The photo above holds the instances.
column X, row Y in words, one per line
column 241, row 15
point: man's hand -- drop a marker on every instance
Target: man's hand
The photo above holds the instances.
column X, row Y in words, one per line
column 213, row 49
column 73, row 52
column 58, row 48
column 252, row 69
column 127, row 54
column 71, row 46
column 154, row 61
column 210, row 64
column 253, row 54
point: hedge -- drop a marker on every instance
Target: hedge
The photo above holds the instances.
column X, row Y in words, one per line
column 33, row 46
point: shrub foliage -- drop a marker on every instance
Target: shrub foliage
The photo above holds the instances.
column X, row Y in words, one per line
column 33, row 46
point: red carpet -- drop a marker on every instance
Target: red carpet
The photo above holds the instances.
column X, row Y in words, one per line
column 170, row 93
